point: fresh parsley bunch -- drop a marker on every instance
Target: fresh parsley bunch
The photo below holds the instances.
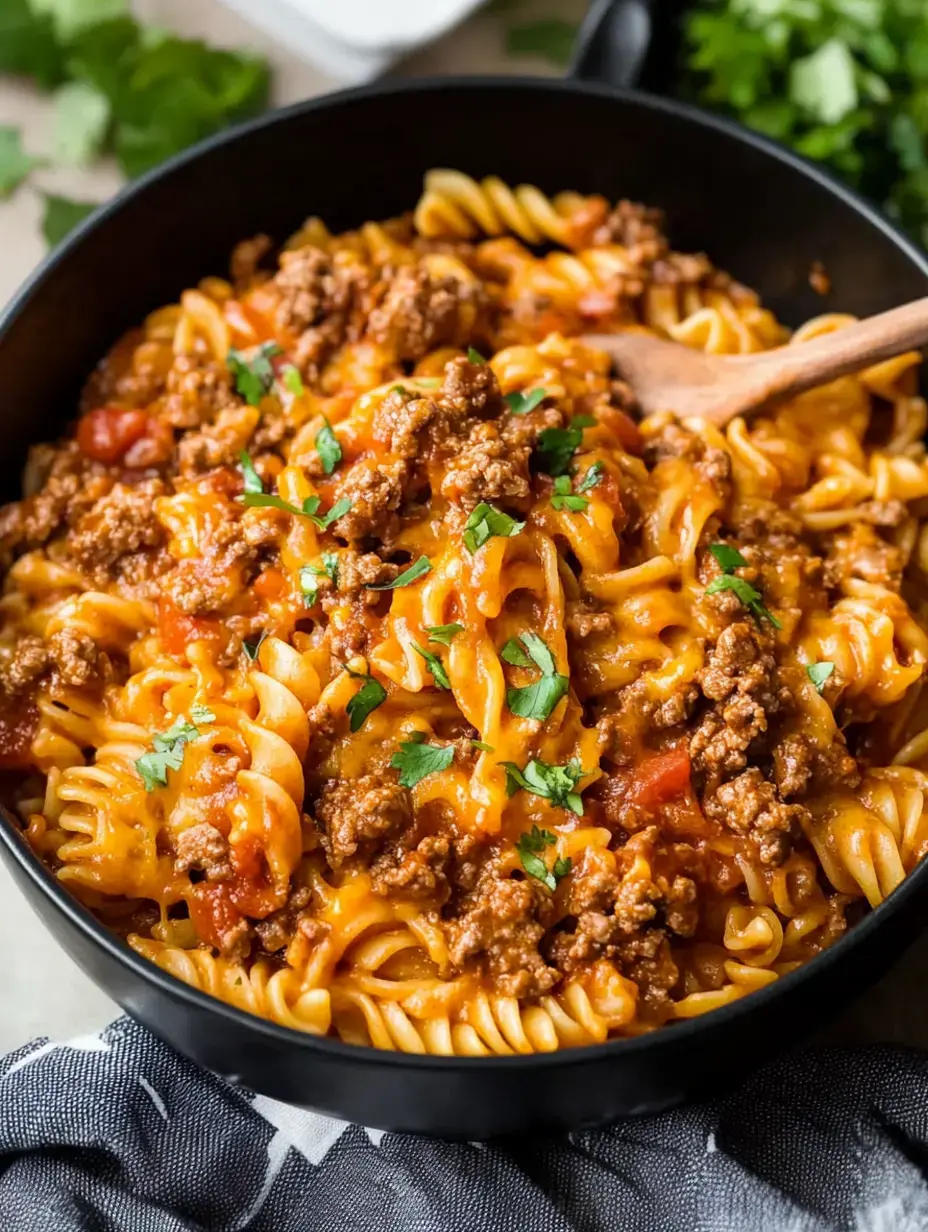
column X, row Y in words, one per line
column 844, row 82
column 120, row 87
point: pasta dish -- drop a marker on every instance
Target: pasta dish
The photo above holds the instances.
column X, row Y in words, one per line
column 367, row 663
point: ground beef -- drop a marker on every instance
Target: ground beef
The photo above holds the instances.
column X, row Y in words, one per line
column 197, row 391
column 749, row 805
column 376, row 490
column 401, row 420
column 740, row 678
column 485, row 467
column 647, row 960
column 349, row 602
column 502, row 920
column 219, row 443
column 420, row 313
column 75, row 660
column 800, row 764
column 582, row 621
column 215, row 577
column 420, row 873
column 246, row 257
column 638, row 228
column 235, row 941
column 358, row 815
column 859, row 552
column 204, row 848
column 313, row 287
column 470, row 391
column 119, row 537
column 675, row 441
column 62, row 485
column 277, row 930
column 22, row 664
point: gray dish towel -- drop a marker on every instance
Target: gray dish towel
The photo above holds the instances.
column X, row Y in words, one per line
column 117, row 1133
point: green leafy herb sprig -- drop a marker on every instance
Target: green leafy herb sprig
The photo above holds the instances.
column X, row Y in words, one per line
column 844, row 82
column 168, row 748
column 729, row 559
column 120, row 87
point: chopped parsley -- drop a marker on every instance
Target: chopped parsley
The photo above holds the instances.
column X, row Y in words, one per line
column 168, row 748
column 818, row 673
column 536, row 701
column 416, row 760
column 554, row 783
column 530, row 846
column 328, row 448
column 513, row 653
column 474, row 356
column 255, row 376
column 485, row 523
column 292, row 381
column 521, row 404
column 310, row 575
column 729, row 559
column 255, row 497
column 584, row 421
column 443, row 633
column 435, row 666
column 406, row 578
column 484, row 748
column 563, row 497
column 251, row 648
column 370, row 695
column 593, row 477
column 556, row 449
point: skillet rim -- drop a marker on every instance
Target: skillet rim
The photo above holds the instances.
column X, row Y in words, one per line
column 83, row 920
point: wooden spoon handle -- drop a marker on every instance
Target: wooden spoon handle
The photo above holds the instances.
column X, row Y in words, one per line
column 794, row 369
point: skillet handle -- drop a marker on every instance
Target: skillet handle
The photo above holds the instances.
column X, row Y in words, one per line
column 612, row 43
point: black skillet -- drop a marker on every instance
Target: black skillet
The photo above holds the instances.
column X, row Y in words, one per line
column 761, row 213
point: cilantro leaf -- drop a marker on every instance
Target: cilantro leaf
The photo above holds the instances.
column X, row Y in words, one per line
column 556, row 449
column 553, row 39
column 529, row 846
column 443, row 633
column 484, row 748
column 61, row 215
column 328, row 448
column 406, row 578
column 818, row 673
column 728, row 558
column 486, row 522
column 535, row 701
column 474, row 356
column 168, row 748
column 251, row 648
column 370, row 695
column 554, row 783
column 513, row 653
column 255, row 376
column 252, row 480
column 15, row 163
column 749, row 596
column 521, row 404
column 593, row 477
column 435, row 666
column 416, row 760
column 29, row 44
column 584, row 421
column 310, row 574
column 292, row 381
column 563, row 498
column 82, row 117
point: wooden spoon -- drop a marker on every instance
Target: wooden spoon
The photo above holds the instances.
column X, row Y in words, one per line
column 667, row 376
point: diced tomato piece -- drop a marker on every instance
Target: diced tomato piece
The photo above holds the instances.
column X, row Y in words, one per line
column 19, row 718
column 663, row 777
column 212, row 911
column 108, row 432
column 622, row 427
column 270, row 584
column 155, row 446
column 177, row 629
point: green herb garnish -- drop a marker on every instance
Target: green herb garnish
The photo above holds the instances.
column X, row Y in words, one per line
column 818, row 673
column 328, row 448
column 15, row 163
column 536, row 701
column 435, row 666
column 730, row 558
column 474, row 356
column 521, row 404
column 406, row 578
column 255, row 497
column 416, row 760
column 554, row 783
column 485, row 523
column 370, row 695
column 251, row 648
column 529, row 848
column 61, row 215
column 255, row 376
column 443, row 633
column 484, row 748
column 292, row 381
column 168, row 748
column 563, row 498
column 593, row 477
column 556, row 449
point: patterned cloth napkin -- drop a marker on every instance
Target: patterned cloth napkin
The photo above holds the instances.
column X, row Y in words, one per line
column 117, row 1132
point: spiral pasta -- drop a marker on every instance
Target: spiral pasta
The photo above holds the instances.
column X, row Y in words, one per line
column 367, row 664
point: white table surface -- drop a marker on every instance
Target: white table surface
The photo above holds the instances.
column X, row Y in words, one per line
column 44, row 992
